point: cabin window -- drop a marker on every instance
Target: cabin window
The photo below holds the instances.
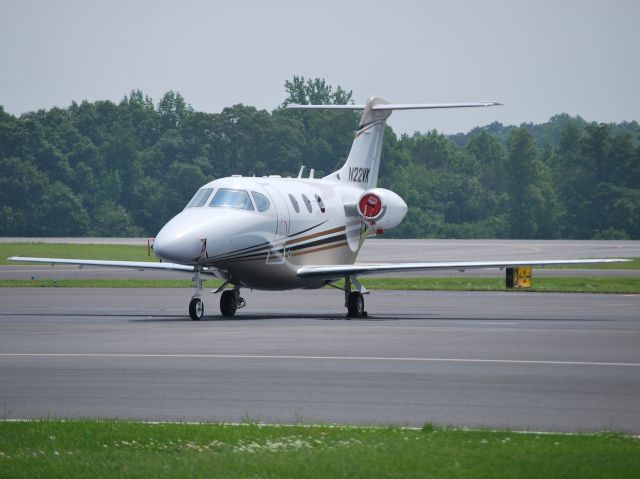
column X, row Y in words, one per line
column 261, row 201
column 307, row 203
column 200, row 198
column 320, row 203
column 295, row 204
column 225, row 197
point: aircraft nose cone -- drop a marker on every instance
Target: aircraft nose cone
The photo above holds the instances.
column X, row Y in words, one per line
column 179, row 242
column 176, row 249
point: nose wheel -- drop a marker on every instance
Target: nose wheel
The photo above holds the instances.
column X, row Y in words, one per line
column 196, row 309
column 196, row 306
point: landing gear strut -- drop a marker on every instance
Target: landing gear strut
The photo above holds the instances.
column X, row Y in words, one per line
column 354, row 301
column 196, row 306
column 230, row 301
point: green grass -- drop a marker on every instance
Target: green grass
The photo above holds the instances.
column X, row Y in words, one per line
column 113, row 252
column 115, row 449
column 634, row 264
column 598, row 284
column 605, row 284
column 105, row 283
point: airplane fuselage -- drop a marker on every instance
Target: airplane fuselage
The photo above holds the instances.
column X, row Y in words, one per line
column 228, row 226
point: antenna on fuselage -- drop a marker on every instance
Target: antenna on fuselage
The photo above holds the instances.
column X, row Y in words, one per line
column 301, row 171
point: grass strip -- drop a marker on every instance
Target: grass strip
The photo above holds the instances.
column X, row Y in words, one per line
column 109, row 449
column 105, row 283
column 110, row 252
column 634, row 264
column 587, row 284
column 604, row 284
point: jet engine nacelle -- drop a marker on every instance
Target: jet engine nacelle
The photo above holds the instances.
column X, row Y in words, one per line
column 381, row 208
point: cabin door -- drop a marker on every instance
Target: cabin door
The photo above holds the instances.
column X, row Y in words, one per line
column 278, row 251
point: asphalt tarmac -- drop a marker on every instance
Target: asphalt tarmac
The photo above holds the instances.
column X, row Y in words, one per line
column 543, row 362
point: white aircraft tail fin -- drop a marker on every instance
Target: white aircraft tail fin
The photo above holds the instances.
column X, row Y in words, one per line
column 363, row 163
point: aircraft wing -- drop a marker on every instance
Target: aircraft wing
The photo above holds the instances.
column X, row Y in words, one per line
column 341, row 270
column 139, row 265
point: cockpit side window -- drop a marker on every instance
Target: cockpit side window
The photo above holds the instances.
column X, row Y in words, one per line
column 262, row 202
column 200, row 198
column 226, row 197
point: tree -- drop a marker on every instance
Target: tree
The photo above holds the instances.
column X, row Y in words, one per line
column 173, row 110
column 314, row 92
column 127, row 168
column 22, row 190
column 491, row 160
column 62, row 213
column 531, row 198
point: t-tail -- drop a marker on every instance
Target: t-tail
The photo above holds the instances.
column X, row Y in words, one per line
column 363, row 163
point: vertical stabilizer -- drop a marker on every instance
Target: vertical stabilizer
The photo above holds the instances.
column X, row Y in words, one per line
column 363, row 163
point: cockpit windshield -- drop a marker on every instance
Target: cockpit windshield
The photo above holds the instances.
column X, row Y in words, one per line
column 232, row 199
column 200, row 198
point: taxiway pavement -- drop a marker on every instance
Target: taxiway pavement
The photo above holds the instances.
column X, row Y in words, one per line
column 557, row 362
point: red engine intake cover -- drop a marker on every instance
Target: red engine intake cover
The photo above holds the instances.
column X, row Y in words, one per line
column 370, row 205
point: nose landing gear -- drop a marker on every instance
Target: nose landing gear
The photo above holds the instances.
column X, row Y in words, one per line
column 196, row 306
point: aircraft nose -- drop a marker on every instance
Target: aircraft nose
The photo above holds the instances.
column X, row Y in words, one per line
column 177, row 249
column 179, row 242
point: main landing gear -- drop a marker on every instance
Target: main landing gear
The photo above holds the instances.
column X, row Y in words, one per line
column 354, row 301
column 230, row 300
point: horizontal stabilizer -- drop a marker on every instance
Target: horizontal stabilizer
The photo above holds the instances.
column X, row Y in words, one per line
column 433, row 106
column 397, row 106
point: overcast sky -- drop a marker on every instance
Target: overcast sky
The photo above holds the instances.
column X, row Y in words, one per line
column 539, row 58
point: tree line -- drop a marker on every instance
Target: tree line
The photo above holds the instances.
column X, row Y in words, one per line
column 124, row 169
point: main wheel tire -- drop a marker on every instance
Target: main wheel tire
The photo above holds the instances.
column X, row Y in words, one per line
column 355, row 305
column 228, row 303
column 196, row 309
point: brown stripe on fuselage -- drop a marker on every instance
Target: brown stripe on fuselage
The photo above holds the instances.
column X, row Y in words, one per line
column 315, row 235
column 261, row 255
column 323, row 248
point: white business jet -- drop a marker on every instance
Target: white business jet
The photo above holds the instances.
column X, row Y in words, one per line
column 274, row 233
